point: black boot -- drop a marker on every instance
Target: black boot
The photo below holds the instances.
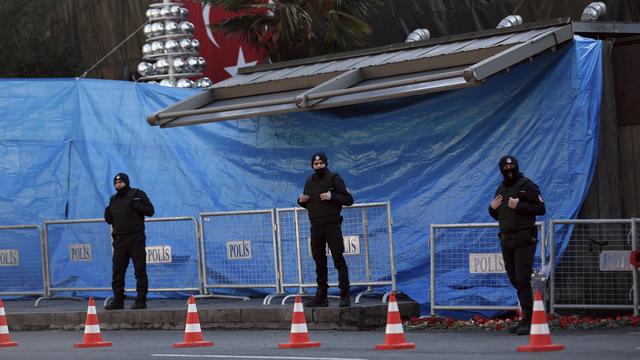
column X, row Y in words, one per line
column 320, row 300
column 345, row 301
column 141, row 303
column 138, row 306
column 114, row 304
column 524, row 324
column 514, row 328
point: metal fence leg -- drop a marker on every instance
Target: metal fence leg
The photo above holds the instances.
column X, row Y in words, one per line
column 220, row 296
column 53, row 297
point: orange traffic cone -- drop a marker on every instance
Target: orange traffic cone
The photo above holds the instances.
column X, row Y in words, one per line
column 192, row 333
column 539, row 338
column 299, row 337
column 92, row 337
column 5, row 339
column 394, row 335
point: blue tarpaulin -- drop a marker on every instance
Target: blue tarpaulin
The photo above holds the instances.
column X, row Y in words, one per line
column 433, row 156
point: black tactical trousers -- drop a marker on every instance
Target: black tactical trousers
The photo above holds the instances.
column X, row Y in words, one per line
column 518, row 251
column 125, row 247
column 321, row 236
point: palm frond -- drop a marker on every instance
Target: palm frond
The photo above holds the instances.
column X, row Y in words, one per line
column 233, row 5
column 246, row 28
column 345, row 32
column 359, row 8
column 289, row 29
column 295, row 21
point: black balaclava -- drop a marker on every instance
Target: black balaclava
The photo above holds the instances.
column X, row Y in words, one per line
column 125, row 179
column 320, row 156
column 512, row 175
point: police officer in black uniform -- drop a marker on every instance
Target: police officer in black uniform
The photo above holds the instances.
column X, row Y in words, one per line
column 126, row 211
column 324, row 195
column 516, row 203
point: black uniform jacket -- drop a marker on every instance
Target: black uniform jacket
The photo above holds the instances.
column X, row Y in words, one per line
column 126, row 212
column 325, row 211
column 523, row 217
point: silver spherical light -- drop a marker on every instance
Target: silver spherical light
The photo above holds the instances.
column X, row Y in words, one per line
column 204, row 82
column 201, row 63
column 153, row 14
column 146, row 50
column 147, row 30
column 186, row 27
column 165, row 12
column 192, row 63
column 157, row 29
column 171, row 27
column 161, row 66
column 175, row 11
column 185, row 45
column 169, row 21
column 178, row 11
column 185, row 83
column 145, row 68
column 157, row 47
column 179, row 64
column 171, row 46
column 195, row 45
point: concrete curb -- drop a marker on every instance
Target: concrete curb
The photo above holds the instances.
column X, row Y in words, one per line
column 333, row 318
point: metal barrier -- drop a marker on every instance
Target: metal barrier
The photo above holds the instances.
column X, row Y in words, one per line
column 243, row 250
column 367, row 230
column 79, row 256
column 468, row 257
column 239, row 251
column 21, row 262
column 173, row 260
column 594, row 271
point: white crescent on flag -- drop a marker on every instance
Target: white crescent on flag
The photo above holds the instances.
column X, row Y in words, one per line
column 224, row 55
column 205, row 17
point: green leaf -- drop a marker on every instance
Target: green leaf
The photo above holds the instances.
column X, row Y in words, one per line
column 291, row 29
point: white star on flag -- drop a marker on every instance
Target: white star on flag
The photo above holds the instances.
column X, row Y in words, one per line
column 233, row 70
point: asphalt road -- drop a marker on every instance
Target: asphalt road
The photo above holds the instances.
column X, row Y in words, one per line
column 336, row 345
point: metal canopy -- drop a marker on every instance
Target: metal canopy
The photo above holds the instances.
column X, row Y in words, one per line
column 606, row 27
column 363, row 76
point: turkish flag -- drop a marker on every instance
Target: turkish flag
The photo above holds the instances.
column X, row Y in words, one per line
column 223, row 55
